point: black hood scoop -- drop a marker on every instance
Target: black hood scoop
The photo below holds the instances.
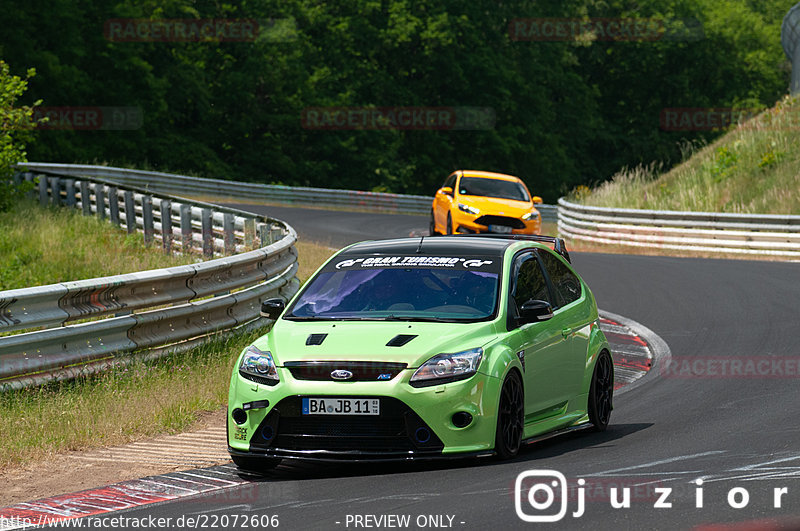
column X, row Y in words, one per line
column 316, row 339
column 400, row 340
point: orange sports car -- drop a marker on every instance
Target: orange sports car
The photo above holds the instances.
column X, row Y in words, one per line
column 481, row 201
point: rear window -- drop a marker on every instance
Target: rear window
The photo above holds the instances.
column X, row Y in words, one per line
column 404, row 288
column 493, row 188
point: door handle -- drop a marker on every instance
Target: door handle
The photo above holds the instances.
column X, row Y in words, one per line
column 566, row 332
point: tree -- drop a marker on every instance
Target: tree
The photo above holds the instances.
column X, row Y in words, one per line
column 16, row 128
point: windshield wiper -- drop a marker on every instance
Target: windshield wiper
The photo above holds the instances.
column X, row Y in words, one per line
column 403, row 318
column 422, row 319
column 324, row 318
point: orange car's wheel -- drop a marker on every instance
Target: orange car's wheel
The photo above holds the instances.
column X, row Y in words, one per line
column 432, row 226
column 449, row 224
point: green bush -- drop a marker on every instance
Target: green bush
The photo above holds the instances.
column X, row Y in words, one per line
column 16, row 128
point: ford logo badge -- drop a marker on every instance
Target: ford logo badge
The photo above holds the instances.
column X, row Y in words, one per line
column 341, row 374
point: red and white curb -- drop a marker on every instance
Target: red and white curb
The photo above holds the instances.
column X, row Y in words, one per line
column 120, row 496
column 635, row 350
column 630, row 353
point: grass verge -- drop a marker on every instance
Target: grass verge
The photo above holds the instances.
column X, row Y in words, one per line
column 122, row 405
column 143, row 399
column 753, row 168
column 50, row 245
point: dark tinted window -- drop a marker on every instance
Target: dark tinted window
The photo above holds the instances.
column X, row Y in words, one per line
column 566, row 284
column 492, row 188
column 450, row 288
column 450, row 182
column 530, row 282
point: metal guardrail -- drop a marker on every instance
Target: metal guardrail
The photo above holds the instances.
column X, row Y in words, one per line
column 180, row 184
column 754, row 234
column 131, row 307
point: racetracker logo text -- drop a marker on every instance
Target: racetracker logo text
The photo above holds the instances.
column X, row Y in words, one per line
column 180, row 30
column 605, row 29
column 752, row 367
column 395, row 118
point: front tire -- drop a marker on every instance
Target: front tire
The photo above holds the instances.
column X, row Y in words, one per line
column 255, row 465
column 601, row 392
column 449, row 224
column 510, row 417
column 432, row 226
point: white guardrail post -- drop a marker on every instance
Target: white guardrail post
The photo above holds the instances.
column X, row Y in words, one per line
column 139, row 311
column 710, row 232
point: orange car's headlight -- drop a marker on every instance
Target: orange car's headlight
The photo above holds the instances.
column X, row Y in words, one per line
column 530, row 215
column 468, row 209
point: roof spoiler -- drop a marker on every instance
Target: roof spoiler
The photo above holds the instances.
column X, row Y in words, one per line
column 559, row 246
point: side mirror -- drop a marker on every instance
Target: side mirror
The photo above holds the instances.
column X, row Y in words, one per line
column 447, row 191
column 535, row 311
column 272, row 308
column 537, row 200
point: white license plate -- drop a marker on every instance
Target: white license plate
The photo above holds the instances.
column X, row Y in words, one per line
column 341, row 406
column 500, row 229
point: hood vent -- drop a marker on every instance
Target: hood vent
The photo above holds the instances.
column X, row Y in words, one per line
column 316, row 339
column 400, row 340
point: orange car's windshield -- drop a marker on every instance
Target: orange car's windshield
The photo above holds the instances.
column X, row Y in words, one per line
column 493, row 188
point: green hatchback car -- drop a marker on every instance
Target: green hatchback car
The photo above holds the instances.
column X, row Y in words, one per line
column 423, row 348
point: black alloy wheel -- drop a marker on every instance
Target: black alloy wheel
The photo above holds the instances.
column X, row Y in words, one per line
column 510, row 417
column 601, row 392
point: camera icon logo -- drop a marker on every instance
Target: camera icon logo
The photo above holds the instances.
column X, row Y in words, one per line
column 536, row 489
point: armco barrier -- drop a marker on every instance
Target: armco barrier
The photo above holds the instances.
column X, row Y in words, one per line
column 754, row 234
column 180, row 184
column 127, row 312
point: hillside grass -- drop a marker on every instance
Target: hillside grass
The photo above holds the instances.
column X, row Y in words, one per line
column 753, row 168
column 49, row 245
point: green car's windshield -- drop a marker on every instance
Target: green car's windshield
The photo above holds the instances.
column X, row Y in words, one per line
column 493, row 188
column 399, row 293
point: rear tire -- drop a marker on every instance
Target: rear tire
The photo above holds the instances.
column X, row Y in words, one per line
column 510, row 417
column 255, row 465
column 601, row 392
column 449, row 224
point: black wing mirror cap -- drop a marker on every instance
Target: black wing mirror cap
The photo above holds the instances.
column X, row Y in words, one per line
column 272, row 308
column 535, row 311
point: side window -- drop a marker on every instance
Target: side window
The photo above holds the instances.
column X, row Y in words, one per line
column 451, row 182
column 566, row 285
column 530, row 282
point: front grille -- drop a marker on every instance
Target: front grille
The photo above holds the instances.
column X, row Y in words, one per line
column 396, row 429
column 505, row 221
column 363, row 371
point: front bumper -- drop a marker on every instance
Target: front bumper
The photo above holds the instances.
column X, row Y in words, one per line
column 414, row 423
column 466, row 223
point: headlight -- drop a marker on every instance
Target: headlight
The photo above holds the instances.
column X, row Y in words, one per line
column 259, row 366
column 444, row 368
column 529, row 215
column 468, row 209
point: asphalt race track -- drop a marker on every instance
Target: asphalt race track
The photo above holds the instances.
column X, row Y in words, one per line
column 724, row 410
